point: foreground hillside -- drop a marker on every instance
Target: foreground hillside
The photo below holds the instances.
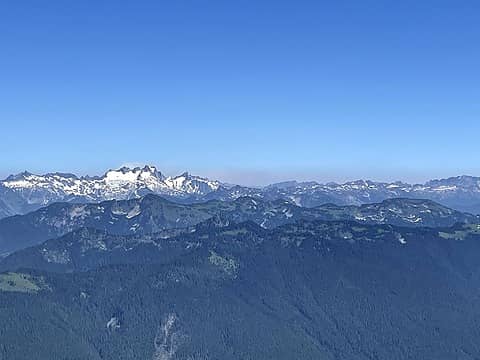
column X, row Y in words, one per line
column 307, row 290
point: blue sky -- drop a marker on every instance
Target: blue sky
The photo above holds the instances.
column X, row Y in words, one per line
column 245, row 91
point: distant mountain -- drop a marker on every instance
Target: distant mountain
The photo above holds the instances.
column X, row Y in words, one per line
column 138, row 215
column 26, row 192
column 461, row 193
column 151, row 213
column 400, row 212
column 307, row 290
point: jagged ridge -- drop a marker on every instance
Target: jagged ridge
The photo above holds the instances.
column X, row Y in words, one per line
column 26, row 192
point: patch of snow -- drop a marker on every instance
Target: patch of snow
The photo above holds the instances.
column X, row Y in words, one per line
column 134, row 212
column 80, row 211
column 113, row 323
column 56, row 256
column 263, row 223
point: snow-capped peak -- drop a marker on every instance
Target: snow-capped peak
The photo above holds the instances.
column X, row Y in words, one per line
column 192, row 184
column 126, row 174
column 122, row 183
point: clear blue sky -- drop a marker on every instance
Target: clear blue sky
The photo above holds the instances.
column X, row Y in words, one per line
column 247, row 91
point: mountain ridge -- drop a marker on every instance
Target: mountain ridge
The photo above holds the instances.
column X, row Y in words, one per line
column 25, row 192
column 153, row 213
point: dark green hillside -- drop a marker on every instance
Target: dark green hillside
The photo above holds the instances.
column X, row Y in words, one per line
column 309, row 290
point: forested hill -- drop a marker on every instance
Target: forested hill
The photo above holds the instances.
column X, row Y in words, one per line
column 307, row 290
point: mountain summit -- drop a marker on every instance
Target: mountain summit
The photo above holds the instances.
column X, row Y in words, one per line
column 25, row 192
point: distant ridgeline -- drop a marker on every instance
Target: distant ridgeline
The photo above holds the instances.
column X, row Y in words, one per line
column 248, row 278
column 25, row 192
column 153, row 214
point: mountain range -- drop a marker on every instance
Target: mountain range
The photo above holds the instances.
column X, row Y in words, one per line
column 25, row 192
column 137, row 265
column 152, row 214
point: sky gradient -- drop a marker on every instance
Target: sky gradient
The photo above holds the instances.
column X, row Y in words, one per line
column 247, row 91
